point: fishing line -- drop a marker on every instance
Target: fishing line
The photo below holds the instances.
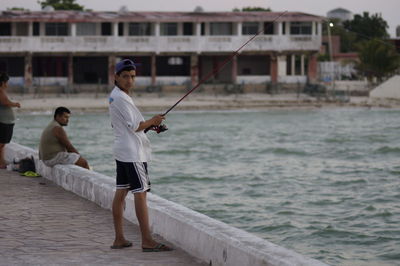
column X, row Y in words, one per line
column 215, row 71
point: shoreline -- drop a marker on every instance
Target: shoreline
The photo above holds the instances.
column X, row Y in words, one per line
column 153, row 102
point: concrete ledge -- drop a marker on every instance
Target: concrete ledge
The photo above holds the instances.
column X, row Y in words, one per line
column 212, row 241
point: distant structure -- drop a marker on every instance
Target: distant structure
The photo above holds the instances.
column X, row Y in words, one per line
column 398, row 31
column 341, row 14
column 58, row 50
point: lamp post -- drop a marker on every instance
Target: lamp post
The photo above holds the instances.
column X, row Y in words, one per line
column 329, row 25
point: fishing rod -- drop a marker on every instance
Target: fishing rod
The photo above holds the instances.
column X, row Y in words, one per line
column 216, row 70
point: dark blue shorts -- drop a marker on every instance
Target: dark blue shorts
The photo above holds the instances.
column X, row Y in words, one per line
column 6, row 132
column 133, row 176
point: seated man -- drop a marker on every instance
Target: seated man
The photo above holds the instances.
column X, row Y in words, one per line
column 55, row 147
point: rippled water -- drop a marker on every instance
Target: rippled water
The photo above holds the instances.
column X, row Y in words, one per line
column 324, row 182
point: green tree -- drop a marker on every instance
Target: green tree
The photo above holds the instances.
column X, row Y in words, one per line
column 17, row 9
column 347, row 38
column 367, row 27
column 251, row 9
column 61, row 4
column 377, row 59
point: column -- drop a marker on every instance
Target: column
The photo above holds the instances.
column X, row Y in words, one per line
column 260, row 27
column 126, row 29
column 180, row 28
column 207, row 28
column 13, row 28
column 111, row 70
column 234, row 69
column 194, row 69
column 30, row 28
column 70, row 73
column 28, row 77
column 73, row 29
column 153, row 69
column 42, row 28
column 274, row 69
column 115, row 28
column 287, row 28
column 312, row 68
column 157, row 29
column 279, row 28
column 239, row 29
column 319, row 29
column 313, row 28
column 198, row 29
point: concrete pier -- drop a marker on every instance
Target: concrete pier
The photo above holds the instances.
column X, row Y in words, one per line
column 43, row 224
column 203, row 238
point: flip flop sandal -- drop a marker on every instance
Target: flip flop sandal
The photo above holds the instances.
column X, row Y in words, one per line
column 158, row 248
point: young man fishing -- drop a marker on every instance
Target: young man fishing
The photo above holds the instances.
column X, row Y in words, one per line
column 132, row 152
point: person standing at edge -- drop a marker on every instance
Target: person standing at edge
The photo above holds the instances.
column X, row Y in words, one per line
column 7, row 117
column 132, row 152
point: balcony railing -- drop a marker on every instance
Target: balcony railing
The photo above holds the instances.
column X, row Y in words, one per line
column 158, row 44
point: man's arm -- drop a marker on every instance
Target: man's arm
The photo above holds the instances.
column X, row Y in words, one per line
column 61, row 135
column 6, row 102
column 154, row 121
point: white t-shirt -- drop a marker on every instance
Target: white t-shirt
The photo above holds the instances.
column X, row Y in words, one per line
column 129, row 145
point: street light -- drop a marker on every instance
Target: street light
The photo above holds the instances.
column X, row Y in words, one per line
column 329, row 26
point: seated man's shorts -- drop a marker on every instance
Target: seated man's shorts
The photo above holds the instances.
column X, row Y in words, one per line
column 133, row 176
column 63, row 158
column 6, row 132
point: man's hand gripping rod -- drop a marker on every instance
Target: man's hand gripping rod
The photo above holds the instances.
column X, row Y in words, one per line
column 162, row 127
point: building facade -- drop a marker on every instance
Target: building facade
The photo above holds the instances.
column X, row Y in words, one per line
column 78, row 50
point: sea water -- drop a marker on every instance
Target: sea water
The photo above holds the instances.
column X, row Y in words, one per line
column 323, row 182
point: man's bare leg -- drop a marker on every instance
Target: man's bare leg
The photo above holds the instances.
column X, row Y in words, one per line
column 118, row 211
column 143, row 218
column 2, row 160
column 142, row 215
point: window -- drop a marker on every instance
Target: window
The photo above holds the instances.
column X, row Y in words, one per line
column 85, row 73
column 21, row 28
column 187, row 28
column 301, row 28
column 120, row 29
column 50, row 66
column 143, row 64
column 220, row 28
column 249, row 28
column 289, row 65
column 36, row 29
column 85, row 29
column 5, row 29
column 268, row 28
column 169, row 29
column 106, row 29
column 14, row 66
column 297, row 65
column 173, row 65
column 253, row 65
column 283, row 28
column 139, row 29
column 56, row 29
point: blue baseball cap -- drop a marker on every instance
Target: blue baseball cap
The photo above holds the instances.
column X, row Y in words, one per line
column 125, row 64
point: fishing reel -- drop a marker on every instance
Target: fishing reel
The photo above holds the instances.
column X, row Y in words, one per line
column 158, row 129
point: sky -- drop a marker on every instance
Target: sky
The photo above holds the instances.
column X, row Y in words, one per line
column 389, row 9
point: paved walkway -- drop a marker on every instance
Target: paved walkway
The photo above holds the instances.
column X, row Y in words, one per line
column 43, row 224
